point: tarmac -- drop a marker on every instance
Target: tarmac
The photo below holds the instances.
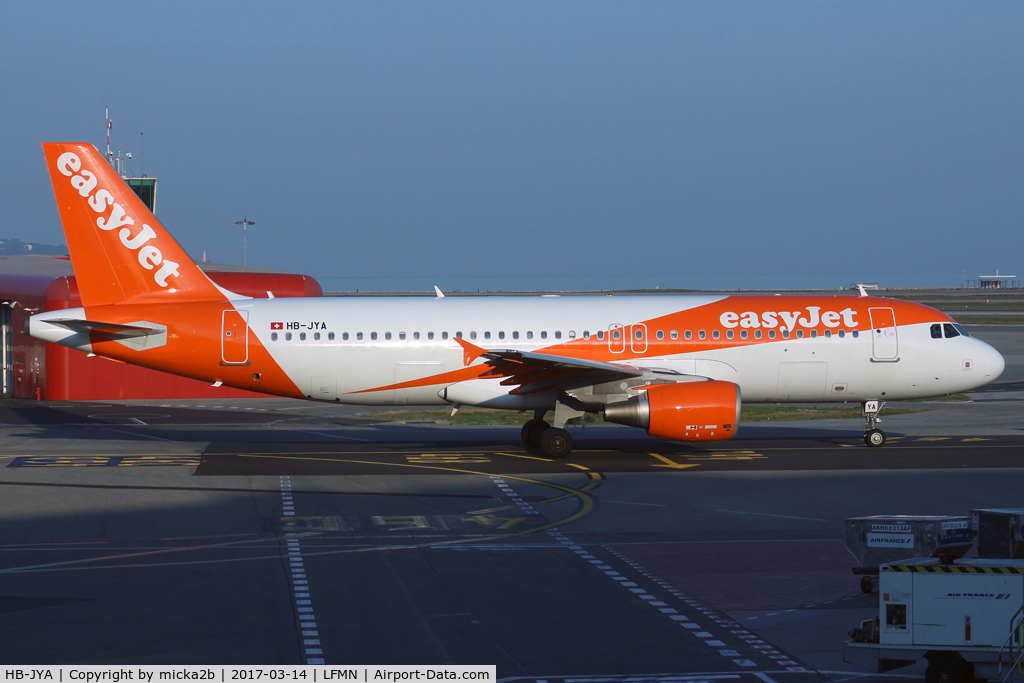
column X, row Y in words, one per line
column 271, row 531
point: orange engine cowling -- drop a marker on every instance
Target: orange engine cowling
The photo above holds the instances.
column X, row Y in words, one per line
column 687, row 411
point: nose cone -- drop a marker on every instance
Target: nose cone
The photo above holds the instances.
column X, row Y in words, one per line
column 990, row 362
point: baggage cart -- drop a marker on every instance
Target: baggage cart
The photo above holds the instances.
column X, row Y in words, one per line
column 876, row 540
column 999, row 533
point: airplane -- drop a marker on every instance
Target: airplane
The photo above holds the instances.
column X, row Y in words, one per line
column 679, row 367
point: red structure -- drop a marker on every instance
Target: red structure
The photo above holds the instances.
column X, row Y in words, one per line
column 34, row 369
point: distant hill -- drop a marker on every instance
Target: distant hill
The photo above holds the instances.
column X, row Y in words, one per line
column 10, row 247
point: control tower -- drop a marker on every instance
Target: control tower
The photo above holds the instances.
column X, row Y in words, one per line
column 143, row 185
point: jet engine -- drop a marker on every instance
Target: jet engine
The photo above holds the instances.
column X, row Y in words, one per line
column 687, row 411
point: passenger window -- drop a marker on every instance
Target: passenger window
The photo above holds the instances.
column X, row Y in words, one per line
column 387, row 336
column 316, row 336
column 842, row 333
column 415, row 335
column 799, row 334
column 950, row 331
column 444, row 335
column 515, row 334
column 401, row 335
column 743, row 334
column 828, row 334
column 501, row 335
column 586, row 334
column 639, row 334
column 543, row 335
column 936, row 330
column 529, row 335
column 688, row 334
column 661, row 334
column 302, row 336
column 700, row 334
column 487, row 335
column 674, row 334
column 785, row 334
column 757, row 334
column 715, row 334
column 728, row 334
column 472, row 335
column 771, row 334
column 600, row 334
column 373, row 336
column 855, row 334
column 572, row 334
column 273, row 336
column 814, row 334
column 430, row 335
column 359, row 336
column 616, row 335
column 458, row 335
column 558, row 334
column 287, row 336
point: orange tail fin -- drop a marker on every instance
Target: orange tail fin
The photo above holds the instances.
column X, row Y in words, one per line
column 119, row 250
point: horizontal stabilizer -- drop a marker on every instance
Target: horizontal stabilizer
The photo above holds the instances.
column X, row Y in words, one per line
column 137, row 335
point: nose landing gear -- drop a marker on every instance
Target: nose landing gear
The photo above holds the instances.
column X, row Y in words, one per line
column 873, row 437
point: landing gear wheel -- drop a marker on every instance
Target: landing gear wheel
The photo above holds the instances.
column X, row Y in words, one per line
column 556, row 443
column 948, row 670
column 532, row 431
column 874, row 438
column 867, row 584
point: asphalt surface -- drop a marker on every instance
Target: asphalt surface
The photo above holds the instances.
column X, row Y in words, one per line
column 271, row 531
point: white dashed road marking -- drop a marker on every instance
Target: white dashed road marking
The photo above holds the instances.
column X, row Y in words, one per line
column 311, row 650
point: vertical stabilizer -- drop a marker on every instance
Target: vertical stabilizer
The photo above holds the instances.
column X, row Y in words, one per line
column 119, row 250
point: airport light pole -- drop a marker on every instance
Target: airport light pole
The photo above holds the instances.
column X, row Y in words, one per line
column 245, row 223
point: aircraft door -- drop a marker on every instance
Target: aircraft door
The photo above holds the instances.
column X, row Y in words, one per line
column 616, row 338
column 638, row 338
column 884, row 344
column 234, row 337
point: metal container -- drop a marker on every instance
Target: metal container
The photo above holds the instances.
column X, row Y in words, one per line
column 999, row 532
column 889, row 538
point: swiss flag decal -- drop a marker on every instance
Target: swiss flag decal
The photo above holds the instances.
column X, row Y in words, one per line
column 277, row 326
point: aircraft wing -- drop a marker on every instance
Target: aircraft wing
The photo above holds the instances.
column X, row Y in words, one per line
column 539, row 371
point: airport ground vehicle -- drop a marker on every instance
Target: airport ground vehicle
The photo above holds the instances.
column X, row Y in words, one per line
column 965, row 618
column 677, row 366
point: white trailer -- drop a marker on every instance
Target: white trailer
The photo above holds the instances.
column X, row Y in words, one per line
column 965, row 618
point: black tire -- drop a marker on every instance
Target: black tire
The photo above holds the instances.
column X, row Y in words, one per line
column 556, row 443
column 867, row 584
column 874, row 438
column 532, row 431
column 948, row 670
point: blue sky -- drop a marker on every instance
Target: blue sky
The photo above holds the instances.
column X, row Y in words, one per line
column 565, row 145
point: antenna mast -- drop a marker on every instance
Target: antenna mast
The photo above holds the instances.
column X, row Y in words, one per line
column 110, row 122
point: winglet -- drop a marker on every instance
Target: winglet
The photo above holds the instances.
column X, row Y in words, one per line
column 470, row 351
column 862, row 292
column 437, row 290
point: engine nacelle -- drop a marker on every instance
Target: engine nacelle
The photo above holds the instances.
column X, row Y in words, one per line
column 687, row 411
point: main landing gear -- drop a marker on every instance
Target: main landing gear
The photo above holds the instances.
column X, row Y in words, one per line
column 873, row 437
column 554, row 442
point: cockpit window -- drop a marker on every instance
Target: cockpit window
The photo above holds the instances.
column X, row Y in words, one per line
column 937, row 331
column 950, row 330
column 961, row 330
